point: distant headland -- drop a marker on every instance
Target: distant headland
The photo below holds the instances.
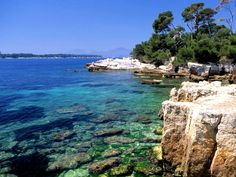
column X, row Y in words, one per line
column 30, row 55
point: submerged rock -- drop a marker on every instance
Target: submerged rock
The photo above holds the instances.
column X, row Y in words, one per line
column 108, row 132
column 59, row 136
column 121, row 170
column 106, row 118
column 144, row 119
column 73, row 109
column 69, row 161
column 101, row 166
column 119, row 140
column 158, row 130
column 199, row 134
column 147, row 168
column 5, row 155
column 111, row 153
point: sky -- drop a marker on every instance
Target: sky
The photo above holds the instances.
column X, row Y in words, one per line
column 82, row 26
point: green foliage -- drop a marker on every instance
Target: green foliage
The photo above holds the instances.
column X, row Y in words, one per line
column 184, row 55
column 163, row 22
column 160, row 57
column 205, row 51
column 205, row 42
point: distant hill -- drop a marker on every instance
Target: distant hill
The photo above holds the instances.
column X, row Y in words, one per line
column 29, row 55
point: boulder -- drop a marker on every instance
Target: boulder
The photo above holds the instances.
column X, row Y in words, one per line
column 118, row 140
column 111, row 153
column 69, row 161
column 103, row 165
column 199, row 69
column 108, row 132
column 199, row 134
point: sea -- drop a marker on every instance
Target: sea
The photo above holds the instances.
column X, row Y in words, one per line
column 58, row 119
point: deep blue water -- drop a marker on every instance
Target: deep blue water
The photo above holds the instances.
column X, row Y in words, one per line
column 49, row 107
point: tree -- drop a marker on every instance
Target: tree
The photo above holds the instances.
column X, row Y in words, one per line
column 163, row 22
column 206, row 20
column 191, row 16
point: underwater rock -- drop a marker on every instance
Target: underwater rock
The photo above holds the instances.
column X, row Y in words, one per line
column 157, row 152
column 144, row 119
column 108, row 132
column 147, row 168
column 158, row 130
column 7, row 175
column 69, row 161
column 111, row 153
column 73, row 109
column 199, row 130
column 151, row 140
column 118, row 139
column 83, row 147
column 75, row 173
column 106, row 118
column 101, row 166
column 5, row 156
column 121, row 170
column 59, row 136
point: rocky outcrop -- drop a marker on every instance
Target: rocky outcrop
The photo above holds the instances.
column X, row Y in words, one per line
column 118, row 64
column 199, row 134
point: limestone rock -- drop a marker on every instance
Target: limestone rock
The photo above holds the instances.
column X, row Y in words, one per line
column 101, row 166
column 199, row 134
column 108, row 132
column 118, row 140
column 69, row 161
column 111, row 153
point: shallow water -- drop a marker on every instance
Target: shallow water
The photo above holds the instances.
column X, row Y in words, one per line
column 51, row 110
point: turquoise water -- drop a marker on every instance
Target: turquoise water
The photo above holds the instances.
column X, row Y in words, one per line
column 52, row 111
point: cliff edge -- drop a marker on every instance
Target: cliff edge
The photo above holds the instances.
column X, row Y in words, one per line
column 199, row 134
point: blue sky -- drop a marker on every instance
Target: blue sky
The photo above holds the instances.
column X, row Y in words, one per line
column 80, row 26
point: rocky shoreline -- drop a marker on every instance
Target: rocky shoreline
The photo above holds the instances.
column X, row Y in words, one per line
column 193, row 71
column 199, row 134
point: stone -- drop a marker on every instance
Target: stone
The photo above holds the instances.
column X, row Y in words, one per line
column 111, row 153
column 158, row 130
column 84, row 146
column 157, row 151
column 108, row 132
column 76, row 108
column 199, row 69
column 151, row 81
column 104, row 165
column 151, row 140
column 144, row 119
column 106, row 118
column 118, row 140
column 147, row 168
column 121, row 170
column 5, row 156
column 118, row 64
column 199, row 134
column 75, row 173
column 60, row 136
column 69, row 161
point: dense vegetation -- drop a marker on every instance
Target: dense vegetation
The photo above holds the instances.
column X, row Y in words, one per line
column 29, row 55
column 204, row 40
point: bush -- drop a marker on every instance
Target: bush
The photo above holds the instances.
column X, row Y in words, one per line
column 160, row 57
column 185, row 55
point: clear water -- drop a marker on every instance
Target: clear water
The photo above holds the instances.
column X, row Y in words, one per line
column 49, row 109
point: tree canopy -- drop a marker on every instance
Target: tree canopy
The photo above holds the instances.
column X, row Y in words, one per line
column 204, row 41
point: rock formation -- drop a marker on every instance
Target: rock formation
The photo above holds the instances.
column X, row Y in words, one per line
column 118, row 64
column 199, row 134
